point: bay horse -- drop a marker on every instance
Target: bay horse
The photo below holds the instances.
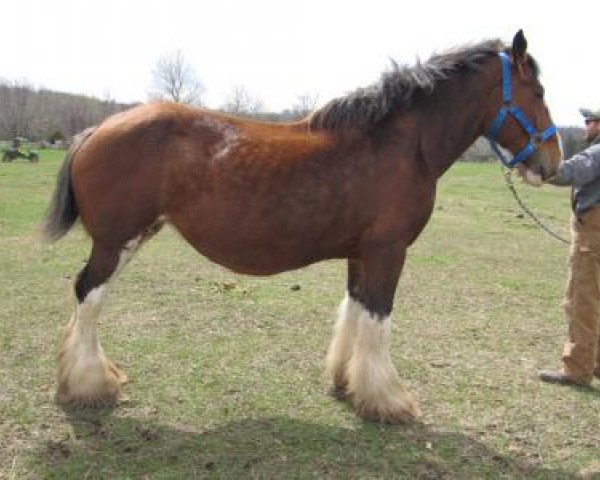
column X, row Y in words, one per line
column 354, row 180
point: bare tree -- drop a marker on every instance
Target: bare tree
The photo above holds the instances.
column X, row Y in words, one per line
column 174, row 79
column 305, row 103
column 242, row 102
column 16, row 107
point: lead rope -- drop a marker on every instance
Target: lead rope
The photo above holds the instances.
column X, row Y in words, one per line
column 507, row 173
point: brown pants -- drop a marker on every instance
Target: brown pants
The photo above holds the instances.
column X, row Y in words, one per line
column 581, row 355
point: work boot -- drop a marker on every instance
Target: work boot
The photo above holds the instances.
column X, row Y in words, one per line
column 561, row 377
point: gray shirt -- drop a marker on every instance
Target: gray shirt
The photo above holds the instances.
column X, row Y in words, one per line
column 582, row 171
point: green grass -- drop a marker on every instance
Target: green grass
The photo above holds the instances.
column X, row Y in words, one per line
column 226, row 371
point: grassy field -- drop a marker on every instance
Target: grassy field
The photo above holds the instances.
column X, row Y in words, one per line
column 227, row 371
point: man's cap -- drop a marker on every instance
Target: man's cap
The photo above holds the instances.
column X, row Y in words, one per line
column 589, row 114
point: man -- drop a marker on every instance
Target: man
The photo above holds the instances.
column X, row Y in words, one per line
column 581, row 354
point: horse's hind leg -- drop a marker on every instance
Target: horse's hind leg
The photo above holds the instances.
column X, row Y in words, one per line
column 86, row 377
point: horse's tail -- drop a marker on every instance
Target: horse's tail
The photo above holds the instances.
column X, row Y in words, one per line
column 62, row 211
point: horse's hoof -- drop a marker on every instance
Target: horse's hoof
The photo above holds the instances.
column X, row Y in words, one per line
column 392, row 416
column 339, row 393
column 96, row 387
column 397, row 410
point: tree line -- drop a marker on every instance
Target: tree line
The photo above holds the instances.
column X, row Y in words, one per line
column 46, row 115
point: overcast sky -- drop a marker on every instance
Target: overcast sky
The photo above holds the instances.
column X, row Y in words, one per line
column 278, row 49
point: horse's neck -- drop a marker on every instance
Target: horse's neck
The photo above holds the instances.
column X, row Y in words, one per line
column 452, row 120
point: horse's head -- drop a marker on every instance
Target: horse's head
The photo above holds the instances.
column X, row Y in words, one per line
column 519, row 119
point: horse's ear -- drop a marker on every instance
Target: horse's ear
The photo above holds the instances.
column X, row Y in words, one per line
column 519, row 49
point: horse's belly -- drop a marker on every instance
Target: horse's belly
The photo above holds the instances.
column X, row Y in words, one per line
column 262, row 252
column 265, row 259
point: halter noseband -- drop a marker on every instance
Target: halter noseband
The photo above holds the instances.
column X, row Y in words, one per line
column 536, row 138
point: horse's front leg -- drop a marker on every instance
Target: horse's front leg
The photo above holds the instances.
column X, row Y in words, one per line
column 344, row 337
column 359, row 363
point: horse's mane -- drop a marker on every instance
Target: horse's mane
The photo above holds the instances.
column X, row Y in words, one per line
column 399, row 88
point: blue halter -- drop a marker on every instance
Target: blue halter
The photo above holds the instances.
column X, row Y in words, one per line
column 536, row 138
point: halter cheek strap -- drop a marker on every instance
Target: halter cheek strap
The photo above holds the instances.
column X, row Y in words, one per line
column 536, row 138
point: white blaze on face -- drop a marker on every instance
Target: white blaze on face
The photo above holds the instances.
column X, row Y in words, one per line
column 560, row 145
